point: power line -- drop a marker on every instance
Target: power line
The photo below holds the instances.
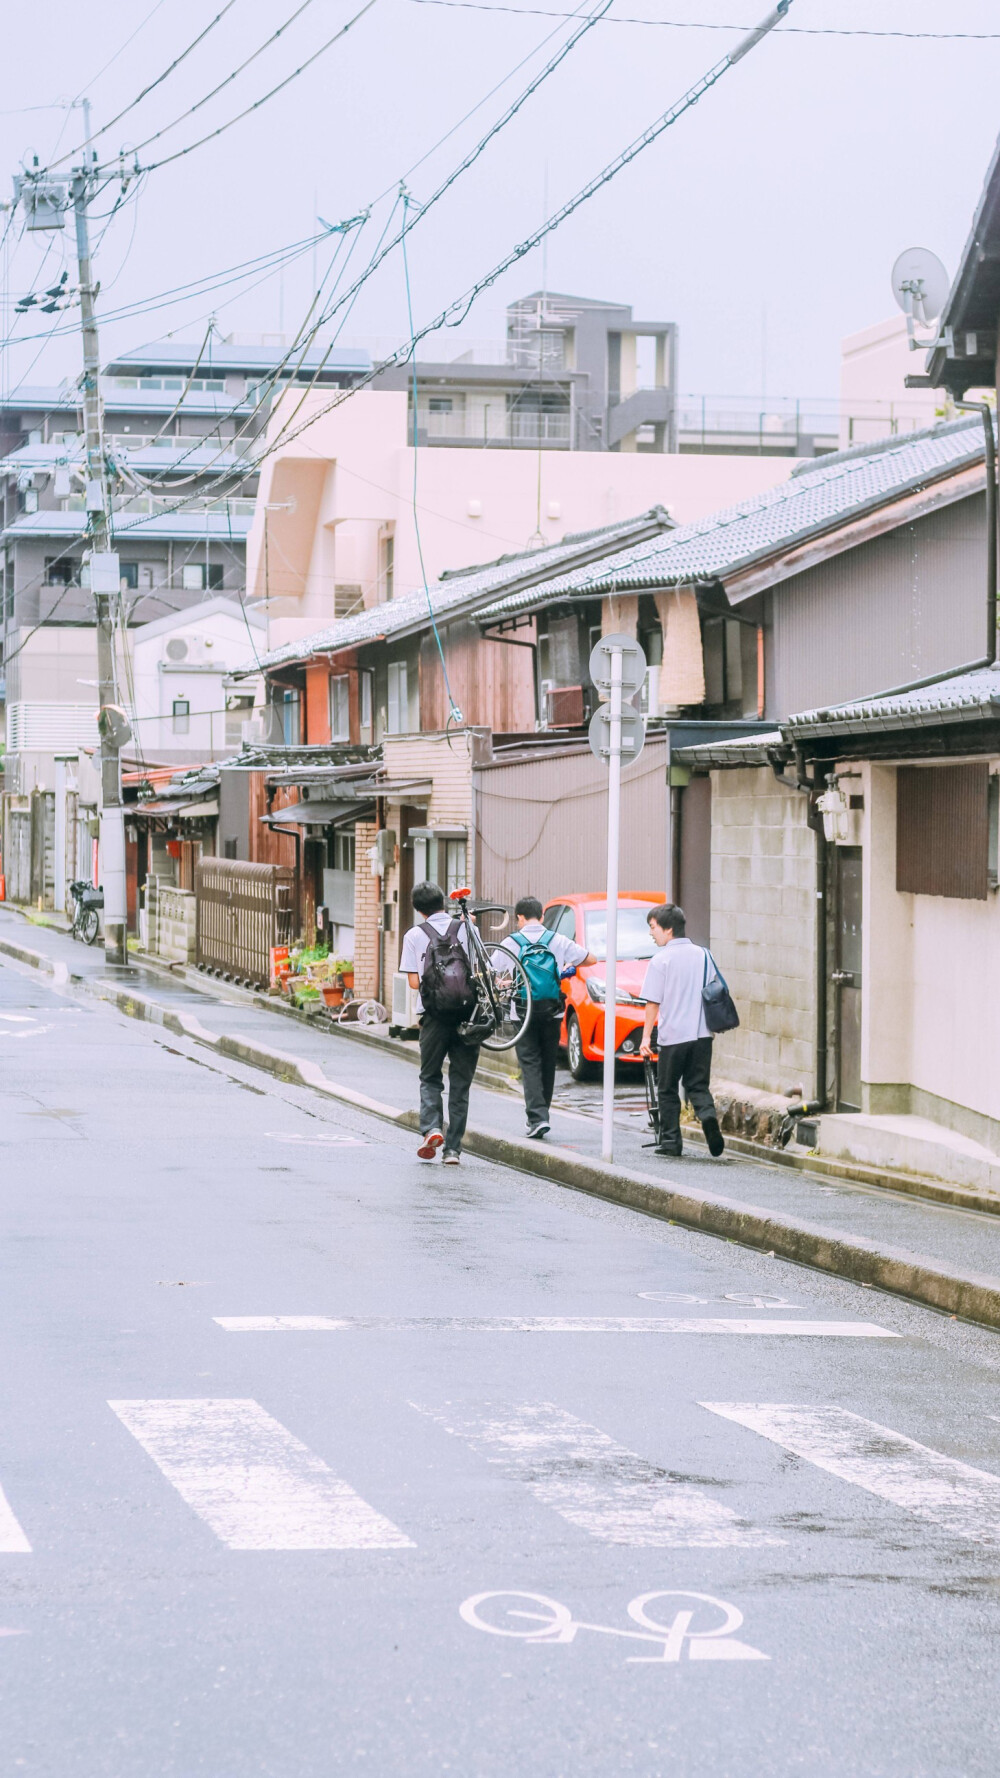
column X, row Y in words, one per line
column 259, row 51
column 153, row 84
column 181, row 152
column 94, row 78
column 702, row 25
column 456, row 311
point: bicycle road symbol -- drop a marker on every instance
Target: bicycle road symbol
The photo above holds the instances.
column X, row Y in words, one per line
column 545, row 1621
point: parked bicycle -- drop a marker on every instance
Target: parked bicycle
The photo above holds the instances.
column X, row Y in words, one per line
column 86, row 922
column 500, row 982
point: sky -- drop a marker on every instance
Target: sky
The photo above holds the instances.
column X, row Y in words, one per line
column 765, row 222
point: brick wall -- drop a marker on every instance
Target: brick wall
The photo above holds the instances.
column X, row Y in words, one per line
column 763, row 929
column 366, row 913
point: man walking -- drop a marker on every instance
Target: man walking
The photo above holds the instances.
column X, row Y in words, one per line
column 544, row 956
column 672, row 990
column 434, row 958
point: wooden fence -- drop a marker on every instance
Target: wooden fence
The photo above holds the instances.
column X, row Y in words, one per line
column 242, row 910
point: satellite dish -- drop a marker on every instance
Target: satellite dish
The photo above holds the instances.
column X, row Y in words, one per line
column 920, row 284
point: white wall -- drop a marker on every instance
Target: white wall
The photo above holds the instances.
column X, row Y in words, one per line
column 931, row 975
column 327, row 497
column 874, row 399
column 218, row 641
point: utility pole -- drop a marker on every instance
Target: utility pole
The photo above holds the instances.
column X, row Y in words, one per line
column 45, row 199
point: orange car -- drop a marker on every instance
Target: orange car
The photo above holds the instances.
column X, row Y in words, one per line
column 585, row 919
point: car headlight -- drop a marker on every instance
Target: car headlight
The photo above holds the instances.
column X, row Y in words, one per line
column 596, row 990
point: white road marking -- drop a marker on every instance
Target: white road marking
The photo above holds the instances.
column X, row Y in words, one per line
column 593, row 1482
column 964, row 1500
column 614, row 1324
column 17, row 1018
column 329, row 1140
column 12, row 1539
column 257, row 1486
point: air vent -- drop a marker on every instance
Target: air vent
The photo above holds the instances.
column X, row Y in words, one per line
column 177, row 649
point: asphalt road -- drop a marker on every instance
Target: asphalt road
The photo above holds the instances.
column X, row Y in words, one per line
column 319, row 1460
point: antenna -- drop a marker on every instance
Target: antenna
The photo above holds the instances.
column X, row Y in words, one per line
column 920, row 285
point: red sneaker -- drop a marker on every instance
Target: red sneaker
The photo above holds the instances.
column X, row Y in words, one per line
column 429, row 1145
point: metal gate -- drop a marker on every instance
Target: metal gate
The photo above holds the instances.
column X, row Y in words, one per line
column 241, row 911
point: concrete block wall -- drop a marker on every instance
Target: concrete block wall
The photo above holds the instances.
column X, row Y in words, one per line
column 174, row 924
column 366, row 915
column 763, row 929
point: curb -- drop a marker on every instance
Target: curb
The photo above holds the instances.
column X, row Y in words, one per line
column 972, row 1296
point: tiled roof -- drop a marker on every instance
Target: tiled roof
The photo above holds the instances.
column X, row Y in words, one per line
column 809, row 503
column 742, row 750
column 455, row 590
column 968, row 697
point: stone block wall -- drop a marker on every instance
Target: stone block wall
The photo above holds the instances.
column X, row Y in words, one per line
column 763, row 929
column 172, row 914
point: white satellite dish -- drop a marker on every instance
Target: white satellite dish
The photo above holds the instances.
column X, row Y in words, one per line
column 920, row 284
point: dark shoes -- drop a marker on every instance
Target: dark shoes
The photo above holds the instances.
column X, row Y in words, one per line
column 668, row 1148
column 713, row 1136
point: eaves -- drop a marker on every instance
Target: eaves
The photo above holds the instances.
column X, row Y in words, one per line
column 876, row 521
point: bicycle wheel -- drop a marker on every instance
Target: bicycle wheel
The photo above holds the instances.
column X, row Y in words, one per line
column 89, row 925
column 509, row 994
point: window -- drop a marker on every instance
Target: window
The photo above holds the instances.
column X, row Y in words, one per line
column 550, row 918
column 397, row 715
column 943, row 831
column 366, row 691
column 193, row 577
column 342, row 851
column 340, row 707
column 129, row 572
column 291, row 726
column 239, row 711
column 181, row 716
column 388, row 566
column 215, row 577
column 62, row 571
column 567, row 923
column 634, row 938
column 454, row 865
column 723, row 661
column 440, row 404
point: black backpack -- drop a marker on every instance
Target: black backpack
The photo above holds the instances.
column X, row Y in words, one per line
column 446, row 983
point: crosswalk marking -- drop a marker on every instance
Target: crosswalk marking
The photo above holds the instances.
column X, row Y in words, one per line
column 592, row 1481
column 257, row 1486
column 624, row 1324
column 964, row 1500
column 12, row 1539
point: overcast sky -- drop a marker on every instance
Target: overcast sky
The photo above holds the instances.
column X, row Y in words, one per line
column 765, row 222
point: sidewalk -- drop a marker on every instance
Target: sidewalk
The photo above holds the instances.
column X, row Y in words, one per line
column 938, row 1254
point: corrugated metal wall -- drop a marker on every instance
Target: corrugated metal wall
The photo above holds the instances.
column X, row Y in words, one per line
column 542, row 825
column 942, row 830
column 901, row 607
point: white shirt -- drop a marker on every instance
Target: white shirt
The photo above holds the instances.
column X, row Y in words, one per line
column 675, row 978
column 411, row 957
column 565, row 950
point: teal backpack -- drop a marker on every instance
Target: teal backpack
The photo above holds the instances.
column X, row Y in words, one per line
column 540, row 966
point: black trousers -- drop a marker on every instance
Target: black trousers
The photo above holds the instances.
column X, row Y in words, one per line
column 692, row 1064
column 536, row 1051
column 439, row 1039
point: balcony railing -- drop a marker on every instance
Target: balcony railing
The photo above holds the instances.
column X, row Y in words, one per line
column 154, row 505
column 495, row 424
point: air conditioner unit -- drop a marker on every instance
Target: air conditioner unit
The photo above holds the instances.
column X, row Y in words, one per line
column 404, row 1002
column 565, row 706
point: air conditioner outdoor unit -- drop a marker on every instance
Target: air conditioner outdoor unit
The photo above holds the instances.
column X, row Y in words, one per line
column 404, row 1002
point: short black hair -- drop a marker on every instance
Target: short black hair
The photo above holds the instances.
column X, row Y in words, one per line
column 529, row 906
column 428, row 898
column 669, row 918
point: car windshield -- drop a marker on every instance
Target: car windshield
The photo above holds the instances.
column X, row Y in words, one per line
column 634, row 937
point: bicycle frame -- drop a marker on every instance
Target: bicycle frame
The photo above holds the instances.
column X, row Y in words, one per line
column 478, row 955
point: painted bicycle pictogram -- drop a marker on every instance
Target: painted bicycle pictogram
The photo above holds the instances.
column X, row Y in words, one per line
column 534, row 1618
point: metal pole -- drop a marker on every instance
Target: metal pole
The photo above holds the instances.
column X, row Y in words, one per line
column 99, row 533
column 59, row 839
column 611, row 966
column 669, row 892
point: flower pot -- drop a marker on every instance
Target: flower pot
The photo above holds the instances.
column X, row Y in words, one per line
column 347, row 977
column 332, row 993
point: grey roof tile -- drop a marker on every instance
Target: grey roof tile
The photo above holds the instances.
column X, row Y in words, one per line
column 806, row 504
column 973, row 695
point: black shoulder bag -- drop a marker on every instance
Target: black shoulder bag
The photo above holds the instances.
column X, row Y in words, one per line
column 720, row 1010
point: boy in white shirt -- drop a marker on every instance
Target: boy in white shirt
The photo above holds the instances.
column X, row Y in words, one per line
column 538, row 1045
column 439, row 1037
column 672, row 990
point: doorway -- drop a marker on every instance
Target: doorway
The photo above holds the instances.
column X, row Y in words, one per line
column 846, row 978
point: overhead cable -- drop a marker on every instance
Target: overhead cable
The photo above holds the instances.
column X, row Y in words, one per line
column 153, row 84
column 456, row 311
column 703, row 25
column 138, row 147
column 265, row 97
